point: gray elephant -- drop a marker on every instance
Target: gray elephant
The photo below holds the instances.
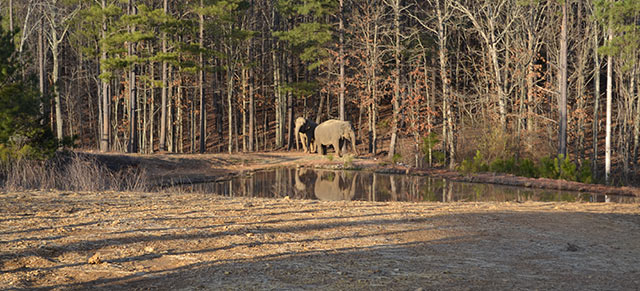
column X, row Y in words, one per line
column 335, row 186
column 305, row 130
column 334, row 133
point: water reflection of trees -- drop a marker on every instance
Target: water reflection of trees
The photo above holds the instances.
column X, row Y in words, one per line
column 308, row 183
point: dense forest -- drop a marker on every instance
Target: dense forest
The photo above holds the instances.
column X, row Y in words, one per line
column 425, row 81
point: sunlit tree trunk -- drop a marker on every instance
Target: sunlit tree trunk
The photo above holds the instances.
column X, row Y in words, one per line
column 230, row 104
column 596, row 105
column 163, row 102
column 444, row 77
column 55, row 75
column 11, row 15
column 607, row 146
column 562, row 84
column 245, row 109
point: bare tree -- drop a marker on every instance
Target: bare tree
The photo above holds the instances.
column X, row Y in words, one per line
column 443, row 12
column 396, row 6
column 58, row 17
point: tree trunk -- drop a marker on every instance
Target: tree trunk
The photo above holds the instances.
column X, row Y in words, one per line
column 42, row 73
column 145, row 121
column 201, row 84
column 251, row 112
column 636, row 129
column 396, row 87
column 56, row 90
column 290, row 138
column 319, row 114
column 244, row 109
column 152, row 108
column 170, row 115
column 133, row 92
column 11, row 15
column 562, row 84
column 596, row 105
column 607, row 149
column 444, row 77
column 229, row 104
column 341, row 58
column 163, row 106
column 179, row 136
column 279, row 101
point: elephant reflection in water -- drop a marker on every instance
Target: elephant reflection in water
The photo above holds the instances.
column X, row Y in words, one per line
column 304, row 180
column 325, row 185
column 335, row 186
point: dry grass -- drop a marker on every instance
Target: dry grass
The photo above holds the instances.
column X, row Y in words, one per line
column 73, row 172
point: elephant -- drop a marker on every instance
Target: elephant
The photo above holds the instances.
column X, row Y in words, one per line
column 305, row 130
column 334, row 132
column 335, row 186
column 304, row 180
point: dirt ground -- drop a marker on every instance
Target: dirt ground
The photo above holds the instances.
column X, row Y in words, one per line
column 183, row 241
column 54, row 240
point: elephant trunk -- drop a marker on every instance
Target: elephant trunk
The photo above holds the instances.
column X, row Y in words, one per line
column 353, row 143
column 296, row 133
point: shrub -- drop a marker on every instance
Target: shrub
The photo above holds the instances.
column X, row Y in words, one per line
column 477, row 164
column 495, row 144
column 547, row 168
column 397, row 157
column 504, row 165
column 565, row 168
column 527, row 168
column 428, row 145
column 585, row 175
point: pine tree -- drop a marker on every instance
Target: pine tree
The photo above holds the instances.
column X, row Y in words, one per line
column 22, row 132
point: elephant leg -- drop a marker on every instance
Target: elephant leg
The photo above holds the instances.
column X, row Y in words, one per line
column 336, row 146
column 303, row 139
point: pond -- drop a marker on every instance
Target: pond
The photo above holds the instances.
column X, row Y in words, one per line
column 309, row 183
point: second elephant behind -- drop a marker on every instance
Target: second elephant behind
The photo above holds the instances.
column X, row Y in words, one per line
column 334, row 133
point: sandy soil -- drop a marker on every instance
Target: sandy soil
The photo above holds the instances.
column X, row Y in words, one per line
column 183, row 241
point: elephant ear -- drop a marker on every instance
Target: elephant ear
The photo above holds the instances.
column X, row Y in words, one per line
column 346, row 128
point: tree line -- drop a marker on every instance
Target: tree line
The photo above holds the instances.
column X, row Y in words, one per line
column 524, row 78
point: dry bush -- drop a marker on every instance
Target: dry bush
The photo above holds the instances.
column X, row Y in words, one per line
column 495, row 143
column 72, row 172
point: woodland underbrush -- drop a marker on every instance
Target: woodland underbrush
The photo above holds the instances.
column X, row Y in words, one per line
column 68, row 171
column 496, row 151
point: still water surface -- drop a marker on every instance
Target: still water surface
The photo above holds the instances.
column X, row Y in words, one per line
column 307, row 183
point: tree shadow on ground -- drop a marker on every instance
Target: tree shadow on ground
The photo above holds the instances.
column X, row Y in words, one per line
column 506, row 250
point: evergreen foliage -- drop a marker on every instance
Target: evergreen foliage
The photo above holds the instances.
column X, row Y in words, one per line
column 23, row 133
column 547, row 167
